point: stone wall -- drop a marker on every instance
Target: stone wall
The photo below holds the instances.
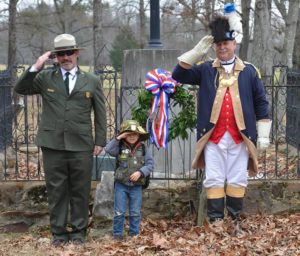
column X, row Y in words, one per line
column 25, row 202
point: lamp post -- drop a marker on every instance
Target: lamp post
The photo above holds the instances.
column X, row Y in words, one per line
column 154, row 41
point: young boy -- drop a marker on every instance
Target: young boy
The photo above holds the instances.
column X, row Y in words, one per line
column 134, row 164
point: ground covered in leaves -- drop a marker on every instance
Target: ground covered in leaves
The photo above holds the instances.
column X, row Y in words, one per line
column 262, row 235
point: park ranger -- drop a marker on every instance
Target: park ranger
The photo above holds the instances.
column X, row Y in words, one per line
column 65, row 134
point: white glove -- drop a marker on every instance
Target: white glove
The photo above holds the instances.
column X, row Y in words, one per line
column 198, row 51
column 263, row 133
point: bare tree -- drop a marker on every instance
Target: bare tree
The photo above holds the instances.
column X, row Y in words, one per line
column 12, row 33
column 64, row 14
column 296, row 53
column 142, row 14
column 263, row 50
column 246, row 7
column 98, row 40
column 6, row 111
column 290, row 14
column 197, row 10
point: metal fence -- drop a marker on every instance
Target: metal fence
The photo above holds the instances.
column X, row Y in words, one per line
column 20, row 159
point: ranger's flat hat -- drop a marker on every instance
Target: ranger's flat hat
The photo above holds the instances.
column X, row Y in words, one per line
column 65, row 42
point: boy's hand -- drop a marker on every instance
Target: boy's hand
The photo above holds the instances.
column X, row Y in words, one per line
column 135, row 176
column 97, row 150
column 123, row 135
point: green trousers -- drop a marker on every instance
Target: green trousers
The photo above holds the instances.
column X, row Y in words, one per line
column 68, row 184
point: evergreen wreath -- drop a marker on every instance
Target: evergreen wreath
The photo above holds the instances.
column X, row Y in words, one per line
column 179, row 123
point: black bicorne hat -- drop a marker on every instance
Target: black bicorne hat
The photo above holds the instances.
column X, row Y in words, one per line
column 220, row 29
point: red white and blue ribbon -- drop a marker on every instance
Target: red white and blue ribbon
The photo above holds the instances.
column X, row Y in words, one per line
column 160, row 83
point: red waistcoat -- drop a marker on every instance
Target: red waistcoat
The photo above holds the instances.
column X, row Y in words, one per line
column 226, row 122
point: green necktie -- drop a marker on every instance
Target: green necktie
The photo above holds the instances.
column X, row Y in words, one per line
column 67, row 82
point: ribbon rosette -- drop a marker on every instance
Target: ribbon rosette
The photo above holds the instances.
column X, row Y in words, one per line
column 160, row 83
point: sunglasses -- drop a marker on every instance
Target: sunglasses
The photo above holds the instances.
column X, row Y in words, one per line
column 63, row 53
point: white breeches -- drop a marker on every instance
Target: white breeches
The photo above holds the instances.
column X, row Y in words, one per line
column 225, row 162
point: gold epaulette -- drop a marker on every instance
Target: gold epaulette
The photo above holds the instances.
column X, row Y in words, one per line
column 200, row 62
column 257, row 70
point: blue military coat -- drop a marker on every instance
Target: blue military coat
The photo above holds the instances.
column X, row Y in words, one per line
column 251, row 92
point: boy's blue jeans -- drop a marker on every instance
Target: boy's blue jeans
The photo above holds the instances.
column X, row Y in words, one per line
column 132, row 195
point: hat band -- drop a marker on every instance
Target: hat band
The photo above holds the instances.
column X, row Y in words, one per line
column 66, row 47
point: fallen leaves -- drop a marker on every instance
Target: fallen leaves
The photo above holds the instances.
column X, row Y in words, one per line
column 262, row 235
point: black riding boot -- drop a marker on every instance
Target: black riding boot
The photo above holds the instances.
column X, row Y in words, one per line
column 234, row 207
column 215, row 209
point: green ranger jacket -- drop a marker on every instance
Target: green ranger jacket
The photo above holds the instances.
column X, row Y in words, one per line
column 66, row 121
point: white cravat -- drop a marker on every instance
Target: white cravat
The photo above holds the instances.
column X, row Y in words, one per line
column 228, row 65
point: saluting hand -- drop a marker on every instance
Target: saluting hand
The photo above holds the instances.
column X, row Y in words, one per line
column 39, row 64
column 123, row 135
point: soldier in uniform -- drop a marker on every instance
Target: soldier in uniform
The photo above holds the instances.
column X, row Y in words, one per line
column 134, row 164
column 65, row 134
column 231, row 104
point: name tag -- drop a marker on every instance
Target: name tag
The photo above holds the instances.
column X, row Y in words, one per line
column 88, row 94
column 50, row 90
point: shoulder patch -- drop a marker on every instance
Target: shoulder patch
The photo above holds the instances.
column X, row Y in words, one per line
column 257, row 70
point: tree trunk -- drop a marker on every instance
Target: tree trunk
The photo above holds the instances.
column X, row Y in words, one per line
column 296, row 53
column 142, row 24
column 12, row 37
column 262, row 50
column 246, row 6
column 290, row 32
column 98, row 44
column 6, row 111
column 64, row 14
